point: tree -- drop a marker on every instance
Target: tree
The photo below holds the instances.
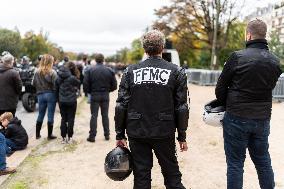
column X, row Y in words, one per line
column 55, row 51
column 276, row 46
column 10, row 41
column 35, row 44
column 236, row 41
column 193, row 22
column 128, row 56
column 136, row 52
column 71, row 55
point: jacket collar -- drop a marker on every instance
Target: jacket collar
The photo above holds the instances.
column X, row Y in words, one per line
column 257, row 43
column 155, row 57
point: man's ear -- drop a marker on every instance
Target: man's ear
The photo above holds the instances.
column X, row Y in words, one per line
column 249, row 36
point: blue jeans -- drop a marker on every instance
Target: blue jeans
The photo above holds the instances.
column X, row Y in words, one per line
column 240, row 134
column 46, row 101
column 2, row 152
column 12, row 146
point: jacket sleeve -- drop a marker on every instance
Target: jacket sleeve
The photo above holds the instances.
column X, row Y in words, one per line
column 57, row 89
column 34, row 80
column 9, row 131
column 54, row 77
column 121, row 106
column 77, row 82
column 86, row 81
column 18, row 82
column 225, row 78
column 113, row 82
column 181, row 106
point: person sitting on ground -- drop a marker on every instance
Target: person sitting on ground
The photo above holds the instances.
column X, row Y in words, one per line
column 4, row 170
column 16, row 135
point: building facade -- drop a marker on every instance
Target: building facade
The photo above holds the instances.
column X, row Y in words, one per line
column 273, row 16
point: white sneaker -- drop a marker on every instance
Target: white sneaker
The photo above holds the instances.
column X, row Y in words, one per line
column 71, row 140
column 64, row 141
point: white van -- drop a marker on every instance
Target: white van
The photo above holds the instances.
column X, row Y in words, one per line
column 170, row 55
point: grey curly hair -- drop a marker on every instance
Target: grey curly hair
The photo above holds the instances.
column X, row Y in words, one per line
column 7, row 60
column 153, row 42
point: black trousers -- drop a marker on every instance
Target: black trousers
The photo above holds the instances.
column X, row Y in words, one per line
column 165, row 151
column 97, row 103
column 68, row 112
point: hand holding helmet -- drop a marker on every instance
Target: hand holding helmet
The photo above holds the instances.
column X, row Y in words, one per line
column 214, row 113
column 118, row 164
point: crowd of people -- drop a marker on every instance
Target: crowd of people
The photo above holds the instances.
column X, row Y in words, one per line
column 54, row 83
column 152, row 105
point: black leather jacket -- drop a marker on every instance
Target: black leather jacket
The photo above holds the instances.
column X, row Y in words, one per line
column 99, row 79
column 247, row 81
column 152, row 101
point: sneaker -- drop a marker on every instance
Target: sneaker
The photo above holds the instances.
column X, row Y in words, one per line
column 38, row 137
column 63, row 141
column 107, row 137
column 51, row 137
column 10, row 153
column 8, row 170
column 71, row 140
column 91, row 139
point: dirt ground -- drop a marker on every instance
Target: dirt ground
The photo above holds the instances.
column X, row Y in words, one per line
column 53, row 165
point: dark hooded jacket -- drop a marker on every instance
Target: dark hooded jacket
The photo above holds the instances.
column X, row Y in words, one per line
column 10, row 86
column 16, row 132
column 66, row 85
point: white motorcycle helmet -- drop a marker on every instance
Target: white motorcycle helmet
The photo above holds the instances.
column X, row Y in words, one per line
column 214, row 114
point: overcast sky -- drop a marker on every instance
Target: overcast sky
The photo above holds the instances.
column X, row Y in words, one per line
column 87, row 25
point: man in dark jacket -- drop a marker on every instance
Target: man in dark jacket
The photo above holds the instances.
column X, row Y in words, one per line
column 10, row 85
column 245, row 86
column 151, row 106
column 16, row 135
column 99, row 81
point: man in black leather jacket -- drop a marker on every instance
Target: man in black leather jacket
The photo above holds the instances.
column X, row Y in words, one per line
column 151, row 106
column 99, row 81
column 245, row 86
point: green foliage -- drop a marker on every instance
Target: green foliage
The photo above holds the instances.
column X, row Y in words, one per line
column 191, row 25
column 80, row 56
column 34, row 44
column 31, row 45
column 276, row 46
column 19, row 185
column 10, row 41
column 236, row 41
column 136, row 52
column 128, row 56
column 55, row 51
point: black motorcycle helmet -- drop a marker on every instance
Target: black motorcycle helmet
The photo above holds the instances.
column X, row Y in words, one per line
column 118, row 164
column 66, row 59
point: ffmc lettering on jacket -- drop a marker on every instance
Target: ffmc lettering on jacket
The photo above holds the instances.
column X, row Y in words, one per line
column 151, row 75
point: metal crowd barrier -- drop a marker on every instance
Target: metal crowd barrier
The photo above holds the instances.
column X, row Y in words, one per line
column 210, row 78
column 203, row 77
column 278, row 91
